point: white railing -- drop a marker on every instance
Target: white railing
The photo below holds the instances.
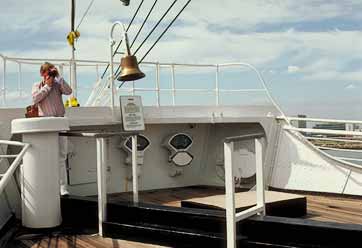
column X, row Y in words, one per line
column 5, row 178
column 102, row 147
column 63, row 64
column 216, row 90
column 231, row 216
column 337, row 136
column 100, row 94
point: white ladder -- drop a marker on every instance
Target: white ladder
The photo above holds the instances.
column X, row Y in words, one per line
column 231, row 216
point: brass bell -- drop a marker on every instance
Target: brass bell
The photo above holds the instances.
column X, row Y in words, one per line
column 130, row 70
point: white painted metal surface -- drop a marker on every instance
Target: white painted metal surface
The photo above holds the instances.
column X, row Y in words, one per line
column 4, row 179
column 40, row 181
column 40, row 189
column 230, row 196
column 101, row 183
column 134, row 169
column 231, row 217
column 39, row 125
column 323, row 131
column 111, row 62
column 301, row 167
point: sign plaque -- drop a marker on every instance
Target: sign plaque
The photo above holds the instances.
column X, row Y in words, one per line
column 132, row 113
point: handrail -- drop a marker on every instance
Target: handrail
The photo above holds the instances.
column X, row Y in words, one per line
column 14, row 165
column 98, row 90
column 231, row 216
column 323, row 131
column 321, row 120
column 243, row 137
column 334, row 139
column 344, row 162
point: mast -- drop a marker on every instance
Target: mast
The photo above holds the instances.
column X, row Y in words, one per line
column 73, row 71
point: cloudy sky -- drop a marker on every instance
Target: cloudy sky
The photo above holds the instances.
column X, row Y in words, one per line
column 309, row 51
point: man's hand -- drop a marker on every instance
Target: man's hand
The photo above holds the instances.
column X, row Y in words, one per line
column 49, row 81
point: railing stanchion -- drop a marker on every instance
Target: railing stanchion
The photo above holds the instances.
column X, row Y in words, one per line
column 158, row 84
column 134, row 169
column 230, row 196
column 4, row 82
column 97, row 72
column 260, row 188
column 173, row 85
column 5, row 178
column 217, row 90
column 101, row 183
column 20, row 79
column 232, row 218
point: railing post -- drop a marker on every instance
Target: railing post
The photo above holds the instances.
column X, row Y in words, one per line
column 173, row 85
column 4, row 82
column 101, row 183
column 230, row 197
column 217, row 90
column 97, row 72
column 260, row 192
column 158, row 83
column 111, row 77
column 134, row 169
column 20, row 79
column 10, row 171
column 61, row 69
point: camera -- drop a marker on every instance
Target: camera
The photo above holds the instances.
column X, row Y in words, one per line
column 53, row 73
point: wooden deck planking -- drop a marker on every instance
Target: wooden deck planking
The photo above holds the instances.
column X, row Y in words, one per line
column 319, row 207
column 336, row 209
column 79, row 241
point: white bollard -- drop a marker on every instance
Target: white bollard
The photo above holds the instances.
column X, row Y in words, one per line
column 40, row 171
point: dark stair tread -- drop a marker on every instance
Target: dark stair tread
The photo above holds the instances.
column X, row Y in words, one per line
column 170, row 229
column 165, row 235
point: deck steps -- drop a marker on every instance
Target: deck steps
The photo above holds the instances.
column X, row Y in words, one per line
column 164, row 235
column 175, row 226
column 190, row 227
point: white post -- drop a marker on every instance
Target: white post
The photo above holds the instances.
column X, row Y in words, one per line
column 61, row 69
column 97, row 72
column 101, row 183
column 230, row 197
column 4, row 82
column 71, row 82
column 158, row 83
column 217, row 91
column 73, row 74
column 173, row 85
column 111, row 77
column 73, row 70
column 134, row 169
column 260, row 193
column 112, row 43
column 20, row 79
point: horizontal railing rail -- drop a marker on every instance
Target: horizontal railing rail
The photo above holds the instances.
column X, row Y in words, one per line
column 100, row 92
column 5, row 178
column 324, row 131
column 340, row 145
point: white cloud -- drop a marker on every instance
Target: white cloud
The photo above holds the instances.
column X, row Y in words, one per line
column 320, row 54
column 293, row 69
column 350, row 87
